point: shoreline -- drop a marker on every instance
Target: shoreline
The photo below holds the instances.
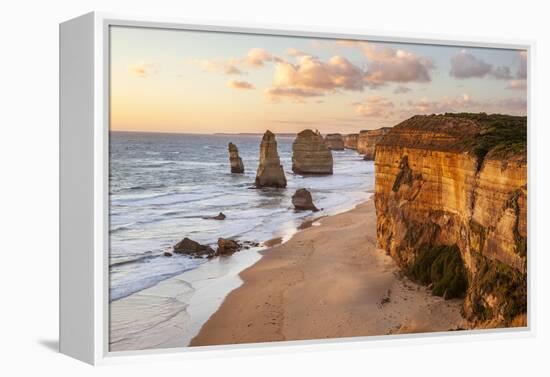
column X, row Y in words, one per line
column 183, row 303
column 327, row 281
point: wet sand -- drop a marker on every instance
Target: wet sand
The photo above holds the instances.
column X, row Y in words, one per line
column 327, row 281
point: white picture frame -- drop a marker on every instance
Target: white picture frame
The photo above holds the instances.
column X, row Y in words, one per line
column 84, row 234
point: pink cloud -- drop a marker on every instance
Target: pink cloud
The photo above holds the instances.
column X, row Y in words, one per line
column 391, row 65
column 375, row 107
column 275, row 94
column 520, row 84
column 257, row 57
column 389, row 113
column 387, row 64
column 312, row 77
column 295, row 52
column 522, row 70
column 235, row 84
column 227, row 66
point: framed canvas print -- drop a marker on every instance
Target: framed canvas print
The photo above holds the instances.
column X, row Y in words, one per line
column 233, row 188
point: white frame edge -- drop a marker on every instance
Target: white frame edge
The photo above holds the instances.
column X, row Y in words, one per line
column 84, row 278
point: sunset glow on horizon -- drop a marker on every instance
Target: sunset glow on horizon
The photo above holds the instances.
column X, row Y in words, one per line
column 207, row 82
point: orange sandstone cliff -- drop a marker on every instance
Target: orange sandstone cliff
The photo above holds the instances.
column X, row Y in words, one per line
column 451, row 203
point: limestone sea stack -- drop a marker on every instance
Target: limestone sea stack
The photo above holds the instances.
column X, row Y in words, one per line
column 335, row 142
column 451, row 205
column 235, row 161
column 270, row 172
column 310, row 154
column 303, row 201
column 367, row 140
column 350, row 141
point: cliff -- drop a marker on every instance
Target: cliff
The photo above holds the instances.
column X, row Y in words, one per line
column 334, row 142
column 310, row 154
column 451, row 202
column 350, row 141
column 270, row 172
column 367, row 140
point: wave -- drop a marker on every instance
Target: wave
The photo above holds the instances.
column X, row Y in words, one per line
column 166, row 198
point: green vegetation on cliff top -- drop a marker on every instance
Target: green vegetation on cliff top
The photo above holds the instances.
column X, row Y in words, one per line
column 484, row 135
column 501, row 135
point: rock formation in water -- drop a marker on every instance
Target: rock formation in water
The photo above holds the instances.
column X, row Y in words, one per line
column 310, row 154
column 219, row 216
column 235, row 161
column 270, row 172
column 367, row 140
column 451, row 202
column 303, row 201
column 350, row 141
column 227, row 246
column 193, row 248
column 334, row 142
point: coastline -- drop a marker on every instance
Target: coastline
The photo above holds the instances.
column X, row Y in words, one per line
column 327, row 281
column 183, row 303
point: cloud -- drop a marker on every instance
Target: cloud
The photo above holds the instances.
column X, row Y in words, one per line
column 142, row 69
column 298, row 95
column 387, row 112
column 443, row 105
column 522, row 70
column 516, row 105
column 295, row 52
column 225, row 66
column 312, row 77
column 401, row 89
column 391, row 65
column 502, row 73
column 465, row 65
column 517, row 84
column 387, row 64
column 235, row 84
column 257, row 57
column 375, row 107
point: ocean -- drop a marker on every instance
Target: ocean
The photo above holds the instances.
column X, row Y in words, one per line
column 163, row 185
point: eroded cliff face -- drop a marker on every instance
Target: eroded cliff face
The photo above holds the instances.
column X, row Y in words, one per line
column 350, row 141
column 334, row 142
column 447, row 183
column 367, row 140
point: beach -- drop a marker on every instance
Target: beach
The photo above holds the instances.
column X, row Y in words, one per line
column 328, row 281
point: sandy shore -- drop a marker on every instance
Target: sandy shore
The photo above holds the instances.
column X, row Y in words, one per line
column 328, row 281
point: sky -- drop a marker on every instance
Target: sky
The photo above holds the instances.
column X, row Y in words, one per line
column 207, row 82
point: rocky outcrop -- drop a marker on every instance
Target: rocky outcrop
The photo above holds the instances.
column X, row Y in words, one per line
column 235, row 161
column 310, row 154
column 219, row 216
column 270, row 172
column 350, row 141
column 227, row 246
column 303, row 201
column 367, row 140
column 334, row 142
column 451, row 201
column 193, row 248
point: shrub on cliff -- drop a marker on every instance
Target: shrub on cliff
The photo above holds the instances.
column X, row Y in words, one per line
column 442, row 267
column 501, row 135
